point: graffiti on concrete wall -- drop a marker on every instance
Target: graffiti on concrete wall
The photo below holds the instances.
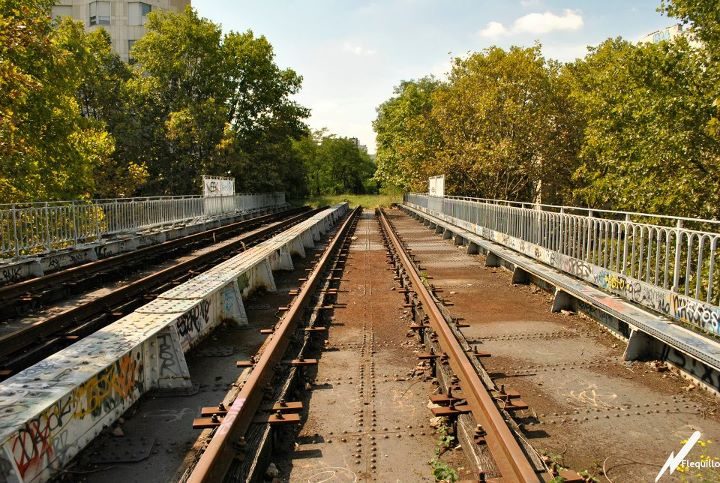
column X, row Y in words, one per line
column 191, row 323
column 49, row 440
column 703, row 372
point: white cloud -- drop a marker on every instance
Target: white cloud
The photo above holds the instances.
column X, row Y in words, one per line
column 542, row 23
column 536, row 23
column 358, row 50
column 493, row 29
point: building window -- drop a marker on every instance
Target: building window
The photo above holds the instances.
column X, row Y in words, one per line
column 137, row 13
column 99, row 13
column 59, row 11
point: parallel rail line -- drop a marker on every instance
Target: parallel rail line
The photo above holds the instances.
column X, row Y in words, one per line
column 20, row 296
column 511, row 460
column 26, row 346
column 220, row 451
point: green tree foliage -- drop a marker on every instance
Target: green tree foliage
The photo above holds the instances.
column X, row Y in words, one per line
column 703, row 17
column 212, row 104
column 498, row 128
column 48, row 150
column 408, row 137
column 504, row 133
column 630, row 127
column 102, row 98
column 77, row 121
column 646, row 144
column 334, row 165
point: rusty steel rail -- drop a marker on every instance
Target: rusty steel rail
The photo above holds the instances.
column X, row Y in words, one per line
column 507, row 453
column 54, row 286
column 219, row 453
column 21, row 348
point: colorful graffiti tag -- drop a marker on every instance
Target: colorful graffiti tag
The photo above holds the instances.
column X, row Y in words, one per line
column 45, row 439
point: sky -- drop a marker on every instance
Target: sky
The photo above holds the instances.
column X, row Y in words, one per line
column 351, row 53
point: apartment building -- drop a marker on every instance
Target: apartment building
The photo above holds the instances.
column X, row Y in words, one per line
column 124, row 20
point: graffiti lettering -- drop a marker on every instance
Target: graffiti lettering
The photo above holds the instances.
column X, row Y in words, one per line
column 193, row 321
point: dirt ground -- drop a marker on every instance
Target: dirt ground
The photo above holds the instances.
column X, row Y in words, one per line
column 588, row 409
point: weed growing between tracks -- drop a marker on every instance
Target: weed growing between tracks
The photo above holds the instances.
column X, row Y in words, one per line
column 441, row 470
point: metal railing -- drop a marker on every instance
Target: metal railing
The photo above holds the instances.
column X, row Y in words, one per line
column 666, row 263
column 32, row 228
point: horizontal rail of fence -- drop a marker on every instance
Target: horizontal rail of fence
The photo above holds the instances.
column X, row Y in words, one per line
column 32, row 228
column 668, row 264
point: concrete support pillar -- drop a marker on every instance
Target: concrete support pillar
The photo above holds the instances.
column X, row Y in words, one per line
column 232, row 307
column 492, row 260
column 296, row 247
column 447, row 234
column 307, row 239
column 281, row 259
column 472, row 248
column 520, row 276
column 458, row 240
column 642, row 347
column 170, row 364
column 439, row 229
column 263, row 276
column 562, row 301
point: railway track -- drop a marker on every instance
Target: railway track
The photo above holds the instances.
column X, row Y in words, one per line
column 391, row 350
column 470, row 394
column 21, row 297
column 221, row 450
column 31, row 343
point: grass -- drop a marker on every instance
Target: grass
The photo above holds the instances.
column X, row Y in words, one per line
column 366, row 201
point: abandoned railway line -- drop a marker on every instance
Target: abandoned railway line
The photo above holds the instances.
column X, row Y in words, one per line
column 343, row 345
column 26, row 340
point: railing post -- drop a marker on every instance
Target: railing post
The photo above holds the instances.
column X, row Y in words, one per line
column 563, row 237
column 625, row 243
column 48, row 245
column 678, row 249
column 15, row 232
column 75, row 225
column 590, row 231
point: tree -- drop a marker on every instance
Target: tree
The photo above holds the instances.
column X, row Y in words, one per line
column 212, row 104
column 408, row 138
column 334, row 165
column 646, row 145
column 48, row 150
column 703, row 17
column 504, row 128
column 102, row 98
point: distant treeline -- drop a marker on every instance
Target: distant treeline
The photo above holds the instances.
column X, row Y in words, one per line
column 630, row 126
column 78, row 122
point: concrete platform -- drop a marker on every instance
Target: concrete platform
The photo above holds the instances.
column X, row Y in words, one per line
column 650, row 335
column 16, row 270
column 53, row 409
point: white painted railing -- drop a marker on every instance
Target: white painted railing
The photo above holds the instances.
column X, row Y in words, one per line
column 667, row 263
column 31, row 228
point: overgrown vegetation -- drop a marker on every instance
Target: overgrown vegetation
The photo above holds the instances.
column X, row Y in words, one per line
column 442, row 471
column 630, row 126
